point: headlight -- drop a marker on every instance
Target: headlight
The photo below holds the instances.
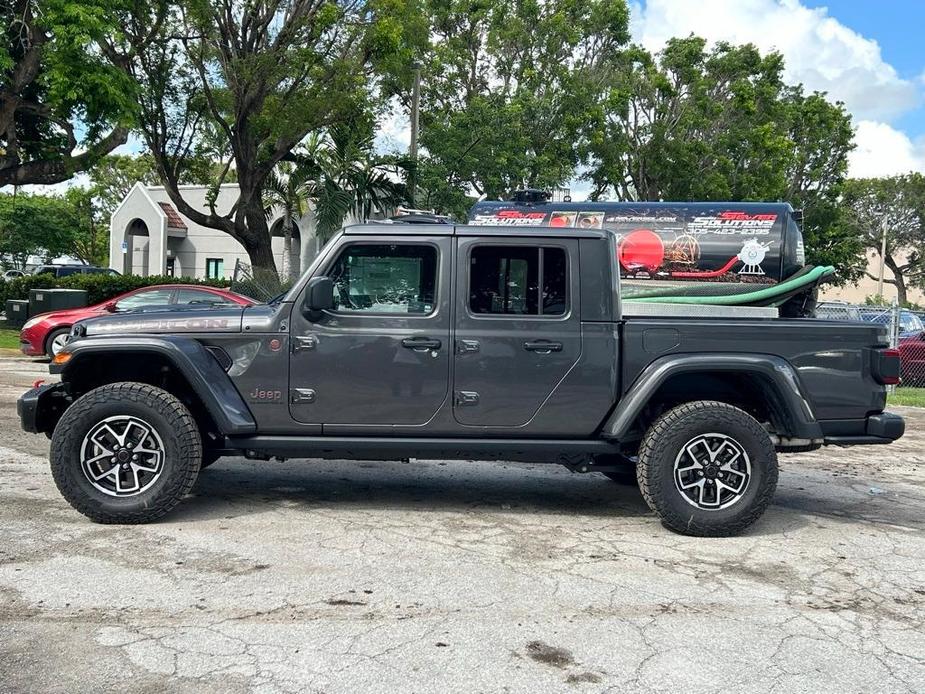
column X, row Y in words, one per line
column 32, row 322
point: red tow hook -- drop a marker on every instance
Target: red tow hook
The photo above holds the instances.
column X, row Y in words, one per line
column 38, row 382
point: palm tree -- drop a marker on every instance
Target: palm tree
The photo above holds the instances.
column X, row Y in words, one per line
column 346, row 179
column 288, row 188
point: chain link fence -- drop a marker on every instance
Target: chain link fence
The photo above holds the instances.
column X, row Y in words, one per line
column 906, row 330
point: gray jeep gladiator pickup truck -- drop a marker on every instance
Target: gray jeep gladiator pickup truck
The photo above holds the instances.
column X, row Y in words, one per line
column 462, row 342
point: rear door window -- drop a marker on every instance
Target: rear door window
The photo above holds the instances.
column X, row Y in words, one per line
column 518, row 280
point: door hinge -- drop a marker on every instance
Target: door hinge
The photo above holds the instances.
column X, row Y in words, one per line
column 467, row 397
column 301, row 396
column 303, row 342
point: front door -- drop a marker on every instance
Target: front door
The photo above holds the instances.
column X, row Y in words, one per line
column 518, row 331
column 381, row 356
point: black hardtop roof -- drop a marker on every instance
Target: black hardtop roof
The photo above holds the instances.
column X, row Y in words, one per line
column 589, row 206
column 399, row 229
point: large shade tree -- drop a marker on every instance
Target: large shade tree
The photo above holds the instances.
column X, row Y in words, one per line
column 508, row 88
column 693, row 123
column 64, row 102
column 888, row 216
column 244, row 83
column 42, row 225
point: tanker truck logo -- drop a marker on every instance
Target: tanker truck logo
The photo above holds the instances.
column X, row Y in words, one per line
column 752, row 254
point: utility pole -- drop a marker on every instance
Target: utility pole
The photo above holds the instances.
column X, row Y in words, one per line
column 882, row 256
column 415, row 127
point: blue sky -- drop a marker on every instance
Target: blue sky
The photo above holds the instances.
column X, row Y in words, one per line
column 896, row 25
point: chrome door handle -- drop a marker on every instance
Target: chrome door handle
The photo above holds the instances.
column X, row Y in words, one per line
column 543, row 346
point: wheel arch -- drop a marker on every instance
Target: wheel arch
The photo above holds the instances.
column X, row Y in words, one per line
column 766, row 386
column 178, row 364
column 46, row 342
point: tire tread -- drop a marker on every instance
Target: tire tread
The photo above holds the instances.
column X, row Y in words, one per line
column 182, row 424
column 651, row 476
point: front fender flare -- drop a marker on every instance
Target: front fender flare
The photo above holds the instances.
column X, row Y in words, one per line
column 198, row 367
column 776, row 376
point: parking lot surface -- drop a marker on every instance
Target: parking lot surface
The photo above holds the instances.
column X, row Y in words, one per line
column 432, row 576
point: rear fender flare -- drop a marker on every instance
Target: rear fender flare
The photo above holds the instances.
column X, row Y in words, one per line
column 775, row 375
column 198, row 367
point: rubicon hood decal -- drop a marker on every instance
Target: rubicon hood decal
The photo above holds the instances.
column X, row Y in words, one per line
column 178, row 321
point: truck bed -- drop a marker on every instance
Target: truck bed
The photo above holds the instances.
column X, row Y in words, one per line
column 831, row 358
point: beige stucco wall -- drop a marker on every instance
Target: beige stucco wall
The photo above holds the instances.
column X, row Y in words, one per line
column 190, row 249
column 856, row 294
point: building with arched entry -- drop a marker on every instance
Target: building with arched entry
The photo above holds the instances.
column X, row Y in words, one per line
column 148, row 236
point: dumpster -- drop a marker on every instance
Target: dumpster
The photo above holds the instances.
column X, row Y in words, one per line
column 17, row 312
column 44, row 300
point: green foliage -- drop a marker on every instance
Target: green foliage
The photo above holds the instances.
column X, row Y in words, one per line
column 36, row 225
column 508, row 89
column 113, row 177
column 58, row 72
column 288, row 188
column 893, row 207
column 720, row 124
column 343, row 177
column 244, row 83
column 49, row 226
column 91, row 237
column 98, row 287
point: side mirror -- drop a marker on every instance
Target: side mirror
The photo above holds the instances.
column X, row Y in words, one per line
column 319, row 295
column 111, row 307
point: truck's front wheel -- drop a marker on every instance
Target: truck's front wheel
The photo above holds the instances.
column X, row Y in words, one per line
column 125, row 453
column 707, row 468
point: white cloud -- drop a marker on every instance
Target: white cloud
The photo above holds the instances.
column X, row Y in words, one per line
column 393, row 133
column 884, row 151
column 819, row 51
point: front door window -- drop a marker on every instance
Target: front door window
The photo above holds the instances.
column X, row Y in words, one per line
column 378, row 278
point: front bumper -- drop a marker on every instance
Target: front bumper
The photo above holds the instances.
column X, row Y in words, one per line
column 40, row 408
column 32, row 342
column 885, row 427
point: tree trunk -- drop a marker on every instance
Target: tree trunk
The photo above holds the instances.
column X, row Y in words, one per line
column 287, row 248
column 901, row 294
column 898, row 280
column 256, row 239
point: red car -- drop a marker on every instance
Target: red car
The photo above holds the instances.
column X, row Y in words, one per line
column 46, row 333
column 912, row 359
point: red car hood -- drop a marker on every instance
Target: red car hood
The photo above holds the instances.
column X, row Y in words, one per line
column 73, row 314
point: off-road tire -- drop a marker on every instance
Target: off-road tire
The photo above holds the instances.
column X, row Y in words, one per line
column 50, row 338
column 161, row 410
column 656, row 472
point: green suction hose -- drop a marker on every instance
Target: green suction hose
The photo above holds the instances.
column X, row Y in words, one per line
column 766, row 293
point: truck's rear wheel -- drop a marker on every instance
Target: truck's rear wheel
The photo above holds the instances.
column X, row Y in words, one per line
column 707, row 468
column 125, row 453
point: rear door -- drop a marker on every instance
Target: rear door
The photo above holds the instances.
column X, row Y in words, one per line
column 518, row 331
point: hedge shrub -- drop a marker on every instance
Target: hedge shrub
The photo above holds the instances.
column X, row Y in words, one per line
column 99, row 287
